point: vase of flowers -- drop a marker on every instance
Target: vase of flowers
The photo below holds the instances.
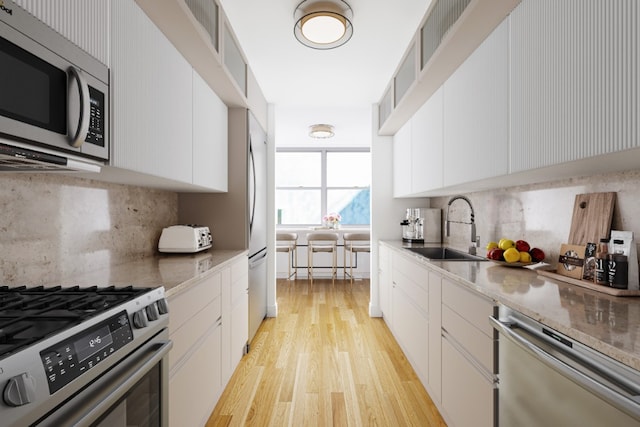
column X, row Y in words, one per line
column 332, row 220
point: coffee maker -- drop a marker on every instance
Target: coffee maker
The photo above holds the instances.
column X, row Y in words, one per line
column 422, row 225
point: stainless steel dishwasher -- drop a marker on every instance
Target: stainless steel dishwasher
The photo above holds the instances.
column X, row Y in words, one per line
column 548, row 379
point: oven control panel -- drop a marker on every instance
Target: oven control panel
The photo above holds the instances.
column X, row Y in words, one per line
column 74, row 356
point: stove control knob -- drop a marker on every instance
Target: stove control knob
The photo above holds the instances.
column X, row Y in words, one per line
column 163, row 307
column 139, row 319
column 20, row 390
column 152, row 312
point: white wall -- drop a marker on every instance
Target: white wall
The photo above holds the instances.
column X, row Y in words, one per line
column 386, row 212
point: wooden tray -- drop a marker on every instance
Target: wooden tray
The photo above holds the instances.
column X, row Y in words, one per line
column 590, row 285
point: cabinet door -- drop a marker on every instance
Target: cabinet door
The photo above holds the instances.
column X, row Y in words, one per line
column 402, row 161
column 427, row 145
column 85, row 23
column 476, row 115
column 151, row 95
column 210, row 144
column 239, row 310
column 384, row 282
column 227, row 367
column 574, row 88
column 410, row 327
column 435, row 337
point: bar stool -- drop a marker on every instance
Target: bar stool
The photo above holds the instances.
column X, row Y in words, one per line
column 354, row 243
column 288, row 243
column 326, row 242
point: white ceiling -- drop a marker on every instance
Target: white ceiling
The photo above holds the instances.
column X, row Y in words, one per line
column 355, row 74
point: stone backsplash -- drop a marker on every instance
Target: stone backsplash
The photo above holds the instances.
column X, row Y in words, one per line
column 540, row 213
column 53, row 227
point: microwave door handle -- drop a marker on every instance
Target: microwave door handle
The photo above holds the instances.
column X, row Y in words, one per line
column 78, row 129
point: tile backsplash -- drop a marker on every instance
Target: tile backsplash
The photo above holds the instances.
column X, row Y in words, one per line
column 540, row 213
column 53, row 227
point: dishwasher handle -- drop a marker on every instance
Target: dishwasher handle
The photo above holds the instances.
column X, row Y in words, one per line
column 625, row 401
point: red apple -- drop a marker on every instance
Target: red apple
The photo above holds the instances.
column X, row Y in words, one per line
column 522, row 246
column 537, row 254
column 495, row 254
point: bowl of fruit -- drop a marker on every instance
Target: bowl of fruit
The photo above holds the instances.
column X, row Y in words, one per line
column 513, row 253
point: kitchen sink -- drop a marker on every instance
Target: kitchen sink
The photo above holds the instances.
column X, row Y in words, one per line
column 445, row 254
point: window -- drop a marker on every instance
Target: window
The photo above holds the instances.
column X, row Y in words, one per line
column 312, row 183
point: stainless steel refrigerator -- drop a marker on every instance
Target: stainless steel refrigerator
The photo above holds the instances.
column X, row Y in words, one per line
column 238, row 218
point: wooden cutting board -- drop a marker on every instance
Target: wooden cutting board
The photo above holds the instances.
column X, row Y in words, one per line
column 592, row 215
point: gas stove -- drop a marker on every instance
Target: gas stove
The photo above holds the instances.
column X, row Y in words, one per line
column 28, row 315
column 55, row 341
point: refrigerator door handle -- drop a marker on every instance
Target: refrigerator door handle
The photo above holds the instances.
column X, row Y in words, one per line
column 253, row 179
column 258, row 260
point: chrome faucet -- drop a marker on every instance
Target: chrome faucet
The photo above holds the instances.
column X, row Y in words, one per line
column 448, row 222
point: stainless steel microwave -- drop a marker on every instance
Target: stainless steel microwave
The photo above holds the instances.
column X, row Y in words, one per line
column 53, row 95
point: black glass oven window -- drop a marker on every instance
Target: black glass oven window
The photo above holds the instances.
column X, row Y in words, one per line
column 31, row 90
column 140, row 407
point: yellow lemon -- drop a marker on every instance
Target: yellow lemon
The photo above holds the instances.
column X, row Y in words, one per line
column 511, row 255
column 491, row 245
column 505, row 244
column 525, row 257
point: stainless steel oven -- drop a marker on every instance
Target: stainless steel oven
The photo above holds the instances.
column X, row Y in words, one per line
column 52, row 93
column 83, row 356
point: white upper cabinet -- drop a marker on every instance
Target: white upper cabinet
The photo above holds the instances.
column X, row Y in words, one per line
column 476, row 115
column 574, row 80
column 210, row 146
column 402, row 161
column 151, row 87
column 85, row 23
column 427, row 145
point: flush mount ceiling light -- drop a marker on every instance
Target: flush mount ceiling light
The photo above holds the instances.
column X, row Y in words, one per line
column 323, row 24
column 321, row 131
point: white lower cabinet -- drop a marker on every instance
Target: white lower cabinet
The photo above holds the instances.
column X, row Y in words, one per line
column 468, row 357
column 443, row 328
column 467, row 396
column 239, row 303
column 410, row 305
column 201, row 326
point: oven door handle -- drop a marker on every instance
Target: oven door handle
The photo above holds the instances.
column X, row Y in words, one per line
column 107, row 391
column 128, row 383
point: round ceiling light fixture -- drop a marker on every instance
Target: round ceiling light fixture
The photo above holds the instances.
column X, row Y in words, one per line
column 321, row 131
column 323, row 24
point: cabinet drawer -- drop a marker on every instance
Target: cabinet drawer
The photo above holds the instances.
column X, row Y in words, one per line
column 466, row 334
column 185, row 339
column 413, row 280
column 473, row 308
column 414, row 291
column 185, row 305
column 196, row 386
column 468, row 398
column 411, row 269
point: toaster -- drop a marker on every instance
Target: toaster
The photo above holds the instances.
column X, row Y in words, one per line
column 188, row 238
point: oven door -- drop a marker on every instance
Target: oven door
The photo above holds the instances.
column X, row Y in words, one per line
column 133, row 392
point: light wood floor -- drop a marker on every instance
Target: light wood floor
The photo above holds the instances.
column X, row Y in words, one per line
column 324, row 362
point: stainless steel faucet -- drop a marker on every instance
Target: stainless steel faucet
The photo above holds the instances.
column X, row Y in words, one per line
column 472, row 222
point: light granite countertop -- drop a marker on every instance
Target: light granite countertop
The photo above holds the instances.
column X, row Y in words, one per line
column 175, row 272
column 605, row 323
